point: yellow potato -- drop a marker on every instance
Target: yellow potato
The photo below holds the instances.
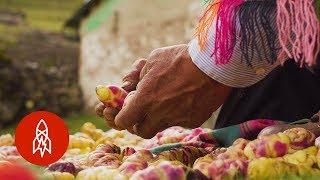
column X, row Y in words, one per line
column 6, row 140
column 57, row 176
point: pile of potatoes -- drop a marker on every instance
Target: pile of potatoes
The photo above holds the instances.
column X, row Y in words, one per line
column 94, row 154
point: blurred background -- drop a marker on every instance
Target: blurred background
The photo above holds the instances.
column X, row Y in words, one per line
column 54, row 53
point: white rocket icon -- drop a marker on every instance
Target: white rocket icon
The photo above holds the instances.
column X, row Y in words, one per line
column 41, row 142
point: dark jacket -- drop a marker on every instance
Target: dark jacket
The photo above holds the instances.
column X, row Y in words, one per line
column 288, row 93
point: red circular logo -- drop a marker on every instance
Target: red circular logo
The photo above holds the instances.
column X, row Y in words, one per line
column 42, row 138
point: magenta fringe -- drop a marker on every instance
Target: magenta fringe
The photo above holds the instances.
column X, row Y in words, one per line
column 297, row 24
column 225, row 37
column 298, row 28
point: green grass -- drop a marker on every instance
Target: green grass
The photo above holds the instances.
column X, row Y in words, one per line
column 74, row 123
column 41, row 14
column 8, row 35
column 99, row 16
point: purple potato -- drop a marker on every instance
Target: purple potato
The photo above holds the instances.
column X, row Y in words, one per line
column 63, row 167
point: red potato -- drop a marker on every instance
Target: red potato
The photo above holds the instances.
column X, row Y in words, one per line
column 111, row 96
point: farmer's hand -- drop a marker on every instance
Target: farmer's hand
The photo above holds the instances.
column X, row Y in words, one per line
column 166, row 90
column 130, row 82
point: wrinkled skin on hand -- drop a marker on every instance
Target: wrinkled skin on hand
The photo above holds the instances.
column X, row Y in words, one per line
column 166, row 90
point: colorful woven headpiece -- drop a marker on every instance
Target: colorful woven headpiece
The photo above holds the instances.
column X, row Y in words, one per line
column 259, row 25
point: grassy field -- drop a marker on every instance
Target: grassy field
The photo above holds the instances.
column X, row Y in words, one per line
column 44, row 15
column 39, row 15
column 74, row 122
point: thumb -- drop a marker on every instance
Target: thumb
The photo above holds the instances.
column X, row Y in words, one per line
column 132, row 112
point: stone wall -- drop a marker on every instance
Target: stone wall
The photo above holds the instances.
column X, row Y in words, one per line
column 134, row 29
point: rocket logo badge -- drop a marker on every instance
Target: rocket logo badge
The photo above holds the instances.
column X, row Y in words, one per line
column 42, row 138
column 41, row 142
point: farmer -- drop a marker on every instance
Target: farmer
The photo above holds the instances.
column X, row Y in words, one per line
column 234, row 62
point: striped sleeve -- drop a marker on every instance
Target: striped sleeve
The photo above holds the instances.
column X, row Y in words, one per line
column 234, row 74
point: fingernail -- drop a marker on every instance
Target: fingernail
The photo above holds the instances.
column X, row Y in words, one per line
column 126, row 84
column 135, row 128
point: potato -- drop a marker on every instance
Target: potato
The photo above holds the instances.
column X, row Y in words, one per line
column 311, row 126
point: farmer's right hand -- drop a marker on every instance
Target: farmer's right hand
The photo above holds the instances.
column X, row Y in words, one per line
column 166, row 90
column 130, row 82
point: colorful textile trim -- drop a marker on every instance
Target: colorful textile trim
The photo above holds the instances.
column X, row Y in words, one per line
column 259, row 26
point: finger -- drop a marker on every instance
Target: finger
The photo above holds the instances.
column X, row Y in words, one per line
column 99, row 109
column 149, row 128
column 131, row 80
column 145, row 69
column 146, row 131
column 130, row 129
column 132, row 112
column 109, row 114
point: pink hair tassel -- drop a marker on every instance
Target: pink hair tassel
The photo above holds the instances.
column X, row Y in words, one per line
column 299, row 31
column 225, row 38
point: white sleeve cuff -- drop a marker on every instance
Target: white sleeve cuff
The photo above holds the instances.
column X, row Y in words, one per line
column 234, row 74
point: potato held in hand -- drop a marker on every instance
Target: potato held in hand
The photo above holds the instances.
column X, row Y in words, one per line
column 111, row 96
